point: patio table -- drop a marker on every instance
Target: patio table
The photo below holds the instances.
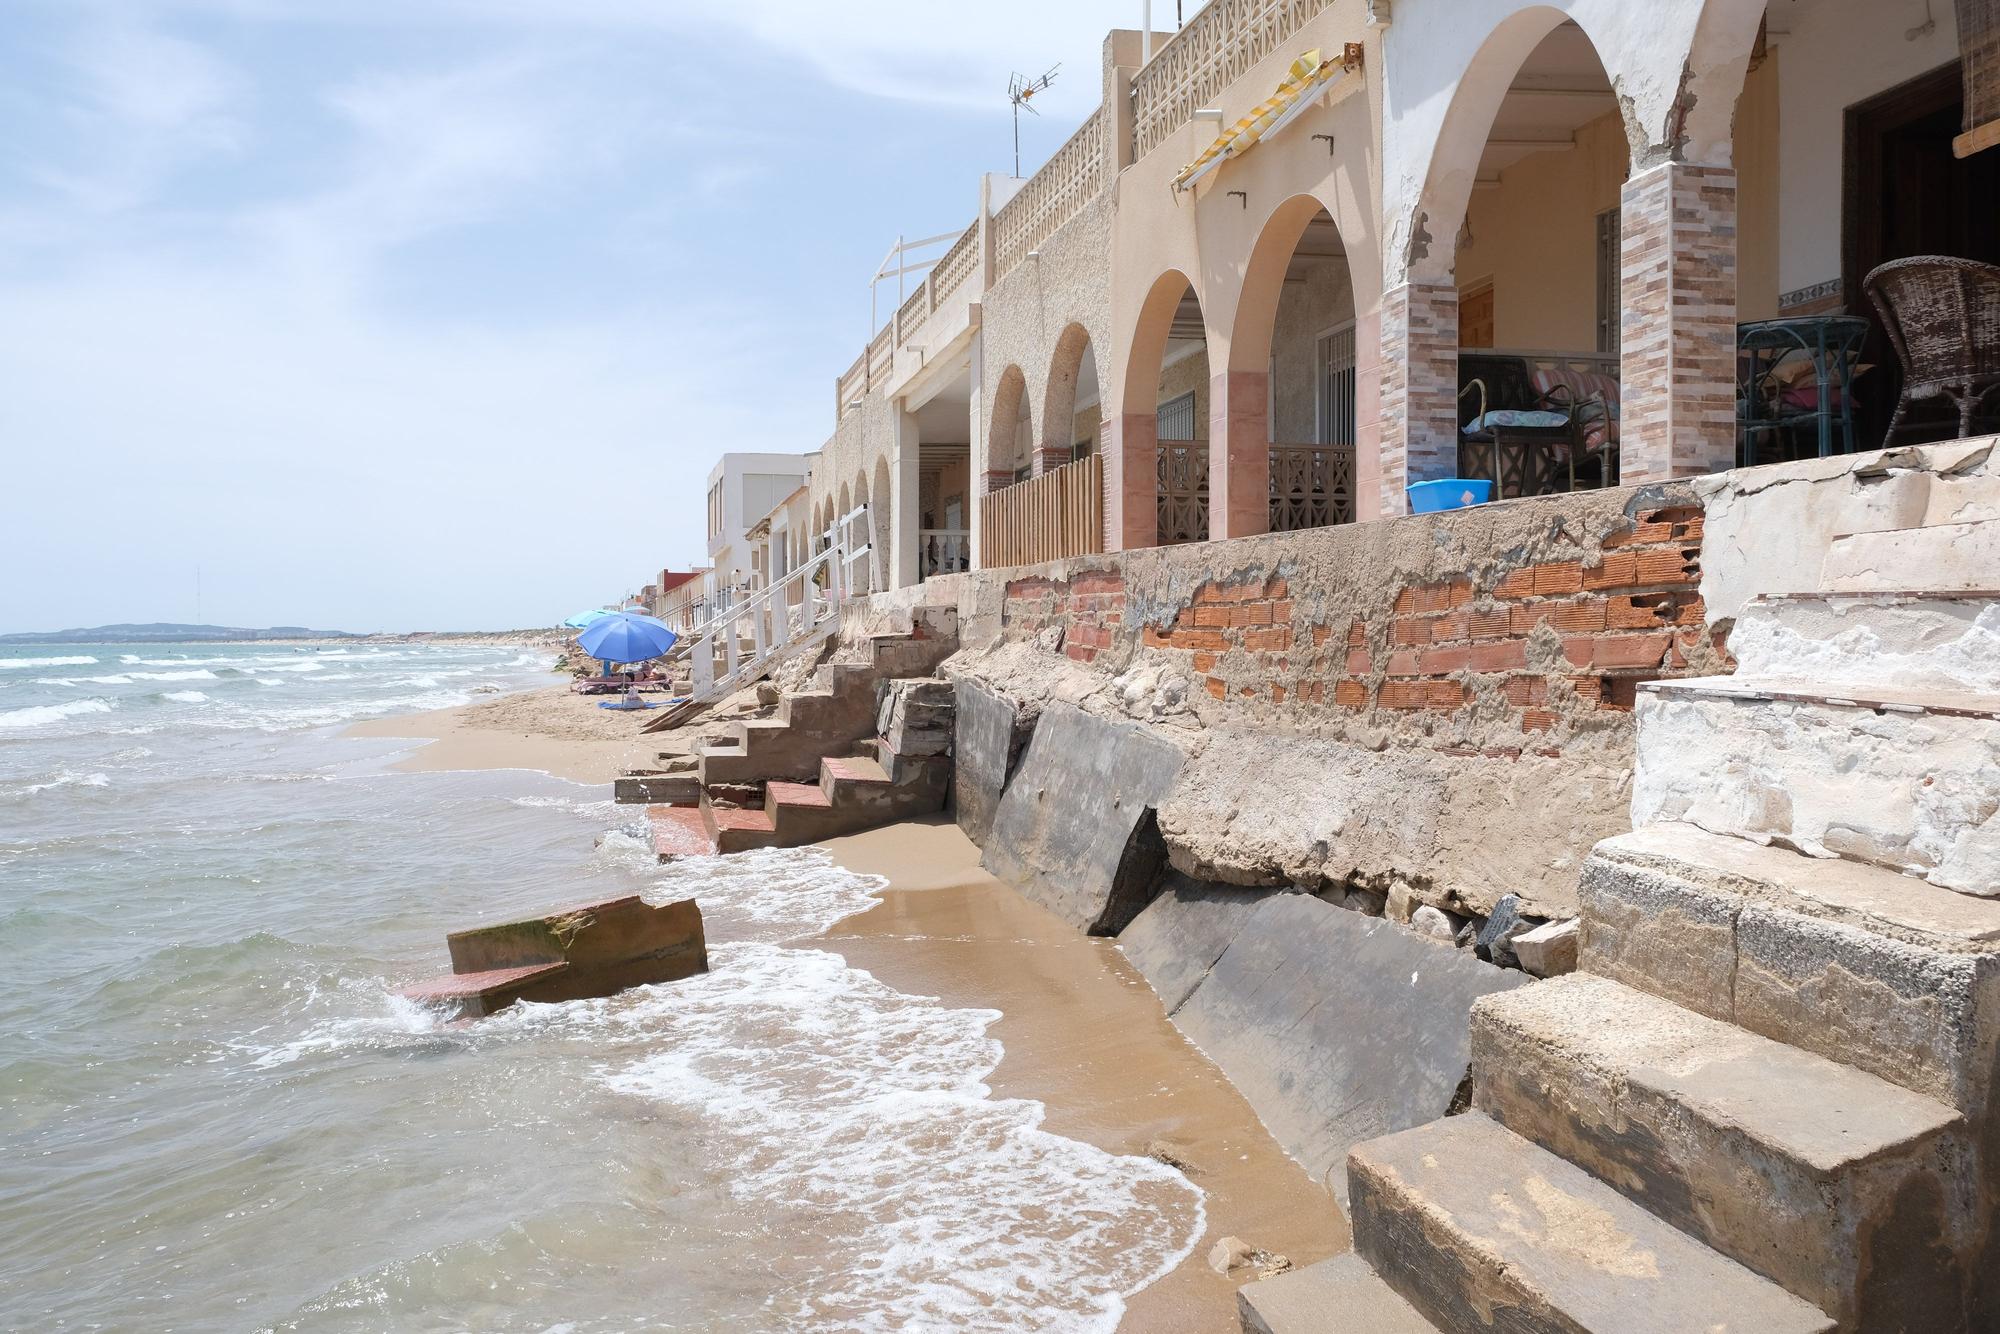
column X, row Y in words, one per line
column 1831, row 342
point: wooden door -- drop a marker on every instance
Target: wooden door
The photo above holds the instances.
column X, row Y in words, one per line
column 1475, row 318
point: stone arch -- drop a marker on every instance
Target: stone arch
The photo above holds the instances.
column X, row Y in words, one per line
column 1429, row 249
column 1160, row 497
column 1700, row 122
column 880, row 525
column 1009, row 437
column 1073, row 373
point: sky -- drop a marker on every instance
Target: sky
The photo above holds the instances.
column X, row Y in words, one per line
column 435, row 314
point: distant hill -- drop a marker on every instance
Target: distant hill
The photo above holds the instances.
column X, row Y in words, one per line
column 167, row 632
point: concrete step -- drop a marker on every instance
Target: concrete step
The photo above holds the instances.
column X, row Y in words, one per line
column 1946, row 557
column 652, row 789
column 1897, row 778
column 1873, row 641
column 1338, row 1294
column 680, row 831
column 850, row 776
column 1480, row 1230
column 474, row 995
column 808, row 707
column 1832, row 1182
column 1858, row 964
column 802, row 813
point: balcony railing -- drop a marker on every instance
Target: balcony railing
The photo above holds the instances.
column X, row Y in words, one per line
column 1217, row 47
column 1312, row 486
column 1051, row 517
column 943, row 551
column 1066, row 182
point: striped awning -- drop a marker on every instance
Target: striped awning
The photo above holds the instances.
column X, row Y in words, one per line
column 1307, row 77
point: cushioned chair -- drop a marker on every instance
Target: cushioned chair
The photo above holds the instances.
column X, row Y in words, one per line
column 1526, row 431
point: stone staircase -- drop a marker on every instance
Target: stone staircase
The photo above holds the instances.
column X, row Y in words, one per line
column 1764, row 1101
column 901, row 772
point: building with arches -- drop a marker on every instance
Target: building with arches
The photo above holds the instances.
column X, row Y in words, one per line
column 1563, row 199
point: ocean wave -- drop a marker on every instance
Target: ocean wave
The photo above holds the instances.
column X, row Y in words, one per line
column 41, row 715
column 274, row 680
column 198, row 674
column 292, row 665
column 185, row 696
column 923, row 1200
column 66, row 778
column 16, row 664
column 113, row 680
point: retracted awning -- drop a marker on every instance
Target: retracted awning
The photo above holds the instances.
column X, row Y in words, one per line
column 1308, row 77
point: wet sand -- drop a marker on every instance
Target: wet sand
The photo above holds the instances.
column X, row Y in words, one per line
column 551, row 729
column 1085, row 1035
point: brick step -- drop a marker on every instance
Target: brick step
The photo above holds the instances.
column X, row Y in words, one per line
column 1480, row 1230
column 1874, row 641
column 849, row 776
column 1807, row 1171
column 1853, row 962
column 473, row 995
column 1338, row 1294
column 680, row 831
column 738, row 828
column 1946, row 557
column 1891, row 777
column 803, row 813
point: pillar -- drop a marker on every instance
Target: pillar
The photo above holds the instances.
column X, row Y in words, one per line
column 1677, row 339
column 905, row 517
column 1131, row 481
column 1419, row 389
column 1239, row 454
column 1368, row 415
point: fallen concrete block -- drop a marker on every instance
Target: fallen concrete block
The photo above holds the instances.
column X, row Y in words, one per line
column 679, row 789
column 1181, row 934
column 1550, row 949
column 593, row 949
column 1076, row 828
column 1337, row 1294
column 1338, row 1027
column 988, row 739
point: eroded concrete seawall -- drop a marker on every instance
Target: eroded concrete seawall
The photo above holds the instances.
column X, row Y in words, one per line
column 1436, row 708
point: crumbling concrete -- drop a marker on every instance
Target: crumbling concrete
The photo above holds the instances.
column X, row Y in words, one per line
column 1176, row 941
column 987, row 745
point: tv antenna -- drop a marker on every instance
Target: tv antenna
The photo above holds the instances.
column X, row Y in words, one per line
column 1020, row 89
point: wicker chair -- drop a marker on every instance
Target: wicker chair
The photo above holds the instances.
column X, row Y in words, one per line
column 1942, row 316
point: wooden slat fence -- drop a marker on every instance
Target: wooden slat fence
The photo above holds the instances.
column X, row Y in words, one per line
column 1059, row 514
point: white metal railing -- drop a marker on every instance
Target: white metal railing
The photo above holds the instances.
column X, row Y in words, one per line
column 744, row 640
column 943, row 551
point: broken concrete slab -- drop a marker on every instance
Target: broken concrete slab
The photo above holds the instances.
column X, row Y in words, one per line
column 1075, row 830
column 988, row 738
column 591, row 949
column 1181, row 934
column 1338, row 1027
column 1550, row 949
column 675, row 789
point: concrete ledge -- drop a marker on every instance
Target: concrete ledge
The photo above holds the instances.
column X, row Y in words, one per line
column 1075, row 829
column 987, row 741
column 1338, row 1027
column 1338, row 1294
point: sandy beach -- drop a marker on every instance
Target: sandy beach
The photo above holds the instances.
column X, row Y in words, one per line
column 550, row 729
column 1082, row 1031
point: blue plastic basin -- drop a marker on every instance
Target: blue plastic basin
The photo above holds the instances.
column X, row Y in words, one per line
column 1449, row 493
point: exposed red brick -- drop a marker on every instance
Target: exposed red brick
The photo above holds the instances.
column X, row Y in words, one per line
column 1211, row 616
column 1281, row 609
column 1582, row 616
column 1360, row 662
column 1152, row 638
column 1202, row 662
column 1537, row 720
column 1443, row 694
column 1524, row 690
column 1489, row 624
column 1638, row 611
column 1438, row 661
column 1400, row 694
column 1277, row 694
column 1407, row 600
column 1357, row 633
column 1630, row 650
column 1403, row 662
column 1498, row 656
column 1618, row 568
column 1216, row 688
column 1579, row 649
column 1449, row 627
column 1079, row 652
column 1349, row 694
column 1268, row 639
column 1558, row 578
column 1669, row 565
column 1277, row 587
column 1209, row 639
column 1409, row 630
column 1321, row 633
column 1519, row 584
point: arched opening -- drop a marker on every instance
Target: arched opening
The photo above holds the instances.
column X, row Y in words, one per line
column 880, row 526
column 859, row 532
column 1295, row 341
column 1073, row 412
column 1165, row 417
column 1010, row 440
column 1536, row 248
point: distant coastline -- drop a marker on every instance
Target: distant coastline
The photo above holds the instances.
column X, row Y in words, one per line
column 159, row 632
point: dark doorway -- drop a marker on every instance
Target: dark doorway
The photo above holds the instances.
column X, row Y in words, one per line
column 1907, row 195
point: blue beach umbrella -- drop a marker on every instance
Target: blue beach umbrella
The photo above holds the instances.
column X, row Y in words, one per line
column 583, row 618
column 625, row 636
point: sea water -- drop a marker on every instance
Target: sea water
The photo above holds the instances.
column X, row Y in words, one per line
column 215, row 1113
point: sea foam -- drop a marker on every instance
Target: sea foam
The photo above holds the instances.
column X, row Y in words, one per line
column 15, row 664
column 43, row 714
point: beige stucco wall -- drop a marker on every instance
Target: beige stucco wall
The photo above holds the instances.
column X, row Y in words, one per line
column 1189, row 375
column 1306, row 310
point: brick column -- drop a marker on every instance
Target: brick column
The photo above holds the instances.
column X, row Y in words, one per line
column 1239, row 454
column 994, row 479
column 1677, row 339
column 1050, row 457
column 1419, row 381
column 1131, row 481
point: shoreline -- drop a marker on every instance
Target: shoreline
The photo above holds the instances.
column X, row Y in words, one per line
column 1082, row 1034
column 1085, row 1036
column 546, row 728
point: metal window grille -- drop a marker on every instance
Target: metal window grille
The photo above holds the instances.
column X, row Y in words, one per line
column 1177, row 418
column 1337, row 387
